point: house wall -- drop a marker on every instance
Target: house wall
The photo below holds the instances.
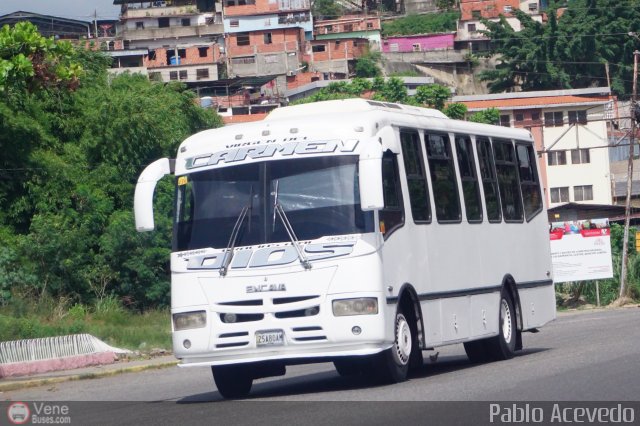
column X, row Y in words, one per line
column 426, row 42
column 192, row 56
column 267, row 22
column 263, row 7
column 282, row 40
column 596, row 172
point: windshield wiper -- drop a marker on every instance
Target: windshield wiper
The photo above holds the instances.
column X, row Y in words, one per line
column 279, row 210
column 228, row 253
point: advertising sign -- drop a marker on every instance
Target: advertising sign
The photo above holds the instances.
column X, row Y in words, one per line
column 581, row 250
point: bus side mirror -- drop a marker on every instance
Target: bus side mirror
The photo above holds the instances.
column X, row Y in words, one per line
column 370, row 177
column 143, row 199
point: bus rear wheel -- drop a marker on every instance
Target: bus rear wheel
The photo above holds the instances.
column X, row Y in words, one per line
column 232, row 381
column 502, row 346
column 392, row 365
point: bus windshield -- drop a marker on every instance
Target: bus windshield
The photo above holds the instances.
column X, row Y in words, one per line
column 320, row 196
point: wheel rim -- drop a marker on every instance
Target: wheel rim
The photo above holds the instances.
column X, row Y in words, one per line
column 403, row 340
column 505, row 314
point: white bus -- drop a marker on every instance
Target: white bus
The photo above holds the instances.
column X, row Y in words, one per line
column 352, row 231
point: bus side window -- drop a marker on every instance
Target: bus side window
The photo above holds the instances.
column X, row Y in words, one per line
column 529, row 183
column 443, row 178
column 489, row 181
column 392, row 216
column 469, row 178
column 416, row 177
column 507, row 172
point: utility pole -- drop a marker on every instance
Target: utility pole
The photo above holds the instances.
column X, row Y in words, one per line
column 95, row 22
column 627, row 211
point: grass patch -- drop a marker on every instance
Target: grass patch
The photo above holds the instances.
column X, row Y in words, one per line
column 107, row 320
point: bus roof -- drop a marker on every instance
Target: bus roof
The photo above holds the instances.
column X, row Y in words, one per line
column 344, row 106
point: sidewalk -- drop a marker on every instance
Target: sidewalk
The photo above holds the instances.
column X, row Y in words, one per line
column 13, row 383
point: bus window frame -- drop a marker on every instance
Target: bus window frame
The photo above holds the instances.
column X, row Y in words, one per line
column 536, row 182
column 469, row 141
column 493, row 179
column 514, row 164
column 452, row 164
column 421, row 165
column 392, row 157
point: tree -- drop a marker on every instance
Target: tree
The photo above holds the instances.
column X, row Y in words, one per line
column 457, row 111
column 29, row 61
column 567, row 52
column 433, row 95
column 487, row 116
column 367, row 65
column 422, row 24
column 327, row 9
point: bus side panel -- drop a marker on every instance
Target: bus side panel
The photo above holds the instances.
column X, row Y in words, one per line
column 538, row 306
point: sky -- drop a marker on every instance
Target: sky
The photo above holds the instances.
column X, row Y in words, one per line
column 72, row 9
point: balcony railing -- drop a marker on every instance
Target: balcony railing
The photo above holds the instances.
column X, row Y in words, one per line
column 157, row 12
column 150, row 33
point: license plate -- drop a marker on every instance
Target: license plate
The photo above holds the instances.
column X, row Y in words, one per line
column 270, row 338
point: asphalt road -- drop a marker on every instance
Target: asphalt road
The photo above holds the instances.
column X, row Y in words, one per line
column 582, row 356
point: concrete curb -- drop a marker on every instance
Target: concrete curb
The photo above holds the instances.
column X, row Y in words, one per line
column 40, row 381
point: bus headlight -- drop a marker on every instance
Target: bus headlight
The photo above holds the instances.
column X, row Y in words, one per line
column 360, row 306
column 188, row 320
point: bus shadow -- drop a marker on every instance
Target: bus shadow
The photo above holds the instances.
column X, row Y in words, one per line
column 330, row 381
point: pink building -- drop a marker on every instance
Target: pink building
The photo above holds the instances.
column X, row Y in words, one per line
column 418, row 43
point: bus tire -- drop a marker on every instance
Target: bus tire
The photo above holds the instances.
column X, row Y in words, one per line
column 393, row 364
column 503, row 346
column 232, row 381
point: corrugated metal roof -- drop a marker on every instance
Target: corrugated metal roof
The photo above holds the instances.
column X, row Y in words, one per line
column 520, row 103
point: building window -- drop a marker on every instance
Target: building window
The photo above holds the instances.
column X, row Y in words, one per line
column 394, row 47
column 556, row 158
column 476, row 14
column 580, row 156
column 152, row 55
column 173, row 75
column 155, row 76
column 182, row 53
column 202, row 73
column 560, row 194
column 579, row 117
column 348, row 28
column 163, row 23
column 583, row 193
column 139, row 25
column 553, row 119
column 267, row 38
column 234, row 23
column 505, row 120
column 186, row 22
column 203, row 52
column 183, row 74
column 369, row 25
column 471, row 28
column 519, row 117
column 245, row 60
column 416, row 47
column 535, row 117
column 242, row 39
column 533, row 7
column 507, row 9
column 329, row 28
column 318, row 48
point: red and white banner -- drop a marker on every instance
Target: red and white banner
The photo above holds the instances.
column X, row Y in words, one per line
column 581, row 250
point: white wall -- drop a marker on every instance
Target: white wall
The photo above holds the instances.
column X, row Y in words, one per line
column 597, row 172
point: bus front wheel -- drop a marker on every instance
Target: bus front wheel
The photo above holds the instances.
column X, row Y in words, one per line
column 232, row 381
column 393, row 364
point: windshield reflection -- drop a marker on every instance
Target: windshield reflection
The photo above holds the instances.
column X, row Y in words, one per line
column 319, row 195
